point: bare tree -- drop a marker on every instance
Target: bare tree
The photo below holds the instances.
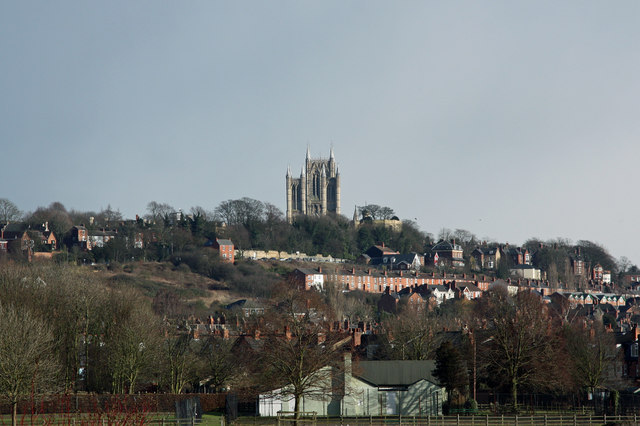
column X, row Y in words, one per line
column 9, row 212
column 110, row 216
column 57, row 217
column 299, row 354
column 220, row 364
column 593, row 354
column 180, row 361
column 240, row 212
column 376, row 212
column 158, row 211
column 412, row 335
column 26, row 355
column 519, row 342
column 445, row 234
column 132, row 340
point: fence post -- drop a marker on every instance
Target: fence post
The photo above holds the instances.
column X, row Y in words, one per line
column 545, row 420
column 487, row 420
column 458, row 420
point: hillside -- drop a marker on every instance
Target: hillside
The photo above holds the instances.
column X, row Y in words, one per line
column 177, row 291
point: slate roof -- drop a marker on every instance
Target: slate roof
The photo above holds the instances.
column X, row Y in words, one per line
column 15, row 227
column 393, row 259
column 396, row 373
column 446, row 246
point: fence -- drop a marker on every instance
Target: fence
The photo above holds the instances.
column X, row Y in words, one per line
column 478, row 420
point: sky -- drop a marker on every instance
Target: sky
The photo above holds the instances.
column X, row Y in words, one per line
column 512, row 120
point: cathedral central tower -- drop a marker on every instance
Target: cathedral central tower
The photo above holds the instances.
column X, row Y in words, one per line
column 317, row 191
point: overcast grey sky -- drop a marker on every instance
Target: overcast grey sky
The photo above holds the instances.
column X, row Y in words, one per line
column 509, row 119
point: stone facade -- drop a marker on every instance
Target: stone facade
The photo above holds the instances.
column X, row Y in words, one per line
column 317, row 191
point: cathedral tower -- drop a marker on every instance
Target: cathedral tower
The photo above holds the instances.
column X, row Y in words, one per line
column 317, row 191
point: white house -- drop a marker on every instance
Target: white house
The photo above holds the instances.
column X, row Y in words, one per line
column 370, row 388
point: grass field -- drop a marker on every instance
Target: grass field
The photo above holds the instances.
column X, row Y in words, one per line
column 110, row 420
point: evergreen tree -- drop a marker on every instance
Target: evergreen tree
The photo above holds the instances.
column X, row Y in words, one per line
column 451, row 369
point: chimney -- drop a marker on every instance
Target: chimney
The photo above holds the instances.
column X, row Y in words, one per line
column 320, row 269
column 256, row 334
column 353, row 270
column 287, row 332
column 401, row 273
column 357, row 337
column 347, row 367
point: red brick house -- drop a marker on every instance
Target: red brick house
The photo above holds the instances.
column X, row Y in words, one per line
column 15, row 238
column 447, row 253
column 80, row 237
column 225, row 248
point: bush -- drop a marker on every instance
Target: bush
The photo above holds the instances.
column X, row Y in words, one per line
column 471, row 404
column 114, row 266
column 183, row 267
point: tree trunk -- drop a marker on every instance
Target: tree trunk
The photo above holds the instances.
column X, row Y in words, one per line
column 296, row 409
column 14, row 413
column 514, row 394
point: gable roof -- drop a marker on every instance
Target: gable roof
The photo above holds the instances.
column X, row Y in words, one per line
column 396, row 373
column 379, row 250
column 446, row 246
column 394, row 259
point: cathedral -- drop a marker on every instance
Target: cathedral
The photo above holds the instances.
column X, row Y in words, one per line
column 317, row 191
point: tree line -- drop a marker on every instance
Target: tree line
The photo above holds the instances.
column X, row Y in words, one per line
column 109, row 339
column 253, row 224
